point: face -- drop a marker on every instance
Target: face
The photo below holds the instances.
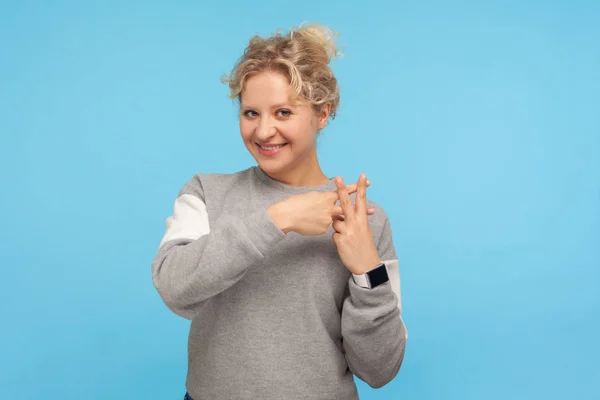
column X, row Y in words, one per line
column 279, row 132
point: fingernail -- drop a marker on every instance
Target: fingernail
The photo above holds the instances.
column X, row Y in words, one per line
column 368, row 182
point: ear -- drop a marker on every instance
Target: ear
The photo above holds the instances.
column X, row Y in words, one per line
column 324, row 115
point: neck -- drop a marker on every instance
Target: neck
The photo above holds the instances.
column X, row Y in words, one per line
column 308, row 173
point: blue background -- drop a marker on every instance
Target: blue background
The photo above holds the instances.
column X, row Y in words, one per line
column 478, row 125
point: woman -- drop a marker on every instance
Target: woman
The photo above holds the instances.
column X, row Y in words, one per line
column 289, row 292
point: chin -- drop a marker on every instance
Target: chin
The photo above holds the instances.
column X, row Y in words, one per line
column 272, row 167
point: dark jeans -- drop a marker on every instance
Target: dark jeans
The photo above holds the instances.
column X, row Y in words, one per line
column 187, row 397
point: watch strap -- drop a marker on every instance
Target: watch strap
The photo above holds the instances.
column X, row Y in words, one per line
column 361, row 280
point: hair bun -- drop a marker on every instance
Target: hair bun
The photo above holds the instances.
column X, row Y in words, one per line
column 317, row 36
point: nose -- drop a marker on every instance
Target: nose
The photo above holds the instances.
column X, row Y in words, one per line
column 265, row 129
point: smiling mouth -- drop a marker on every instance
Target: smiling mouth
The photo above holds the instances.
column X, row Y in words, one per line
column 271, row 147
column 270, row 151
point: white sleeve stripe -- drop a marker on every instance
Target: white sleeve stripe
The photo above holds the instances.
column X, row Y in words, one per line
column 393, row 267
column 394, row 275
column 189, row 219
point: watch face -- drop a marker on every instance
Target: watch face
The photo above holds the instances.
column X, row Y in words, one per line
column 378, row 276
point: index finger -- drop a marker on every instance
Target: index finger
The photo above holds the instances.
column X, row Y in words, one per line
column 361, row 195
column 345, row 201
column 352, row 187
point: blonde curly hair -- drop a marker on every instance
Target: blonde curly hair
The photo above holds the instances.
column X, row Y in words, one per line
column 302, row 55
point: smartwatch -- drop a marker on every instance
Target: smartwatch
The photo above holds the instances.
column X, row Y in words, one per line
column 373, row 277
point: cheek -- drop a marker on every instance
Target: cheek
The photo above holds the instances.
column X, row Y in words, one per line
column 300, row 130
column 246, row 129
column 305, row 132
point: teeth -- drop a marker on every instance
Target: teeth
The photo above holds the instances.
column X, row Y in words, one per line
column 271, row 147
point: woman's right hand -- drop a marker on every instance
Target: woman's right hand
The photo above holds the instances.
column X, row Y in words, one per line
column 309, row 214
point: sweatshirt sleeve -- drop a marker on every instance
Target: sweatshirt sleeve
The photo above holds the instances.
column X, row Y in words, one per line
column 373, row 333
column 195, row 262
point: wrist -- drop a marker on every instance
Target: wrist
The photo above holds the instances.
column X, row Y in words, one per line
column 367, row 266
column 281, row 217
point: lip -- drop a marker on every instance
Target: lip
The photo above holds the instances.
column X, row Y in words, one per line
column 270, row 153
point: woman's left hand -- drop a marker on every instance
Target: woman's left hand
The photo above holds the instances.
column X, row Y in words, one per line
column 353, row 236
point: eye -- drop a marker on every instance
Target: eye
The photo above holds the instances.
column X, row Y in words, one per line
column 250, row 113
column 284, row 113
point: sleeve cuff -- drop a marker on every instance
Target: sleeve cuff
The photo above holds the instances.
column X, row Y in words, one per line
column 380, row 298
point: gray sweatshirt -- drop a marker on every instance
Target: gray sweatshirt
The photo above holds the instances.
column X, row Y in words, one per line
column 274, row 315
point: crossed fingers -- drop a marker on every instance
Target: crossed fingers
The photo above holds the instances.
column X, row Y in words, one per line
column 351, row 211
